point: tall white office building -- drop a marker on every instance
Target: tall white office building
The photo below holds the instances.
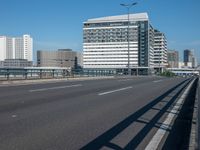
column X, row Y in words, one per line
column 16, row 47
column 105, row 42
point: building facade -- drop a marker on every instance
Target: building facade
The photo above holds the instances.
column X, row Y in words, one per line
column 160, row 50
column 60, row 58
column 173, row 59
column 16, row 47
column 105, row 42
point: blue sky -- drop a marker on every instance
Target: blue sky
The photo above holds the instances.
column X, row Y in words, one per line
column 55, row 24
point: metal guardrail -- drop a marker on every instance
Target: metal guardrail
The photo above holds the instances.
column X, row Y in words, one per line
column 43, row 73
column 198, row 118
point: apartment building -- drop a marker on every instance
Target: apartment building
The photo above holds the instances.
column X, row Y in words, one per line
column 16, row 47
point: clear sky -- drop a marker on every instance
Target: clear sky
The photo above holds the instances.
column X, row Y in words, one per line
column 55, row 24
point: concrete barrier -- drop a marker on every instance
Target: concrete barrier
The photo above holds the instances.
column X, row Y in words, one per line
column 36, row 81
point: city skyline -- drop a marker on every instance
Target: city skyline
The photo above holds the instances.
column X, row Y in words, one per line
column 58, row 24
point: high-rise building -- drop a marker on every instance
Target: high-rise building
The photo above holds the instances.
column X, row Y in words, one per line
column 28, row 47
column 6, row 48
column 160, row 50
column 173, row 58
column 16, row 48
column 105, row 42
column 188, row 55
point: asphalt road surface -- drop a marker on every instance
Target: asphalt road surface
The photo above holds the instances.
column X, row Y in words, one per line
column 118, row 113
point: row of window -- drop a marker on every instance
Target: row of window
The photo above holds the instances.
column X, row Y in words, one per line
column 108, row 64
column 110, row 24
column 114, row 47
column 109, row 40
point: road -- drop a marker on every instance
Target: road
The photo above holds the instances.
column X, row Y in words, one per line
column 118, row 113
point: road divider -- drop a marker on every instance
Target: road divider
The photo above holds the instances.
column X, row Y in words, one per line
column 124, row 80
column 113, row 91
column 156, row 81
column 55, row 88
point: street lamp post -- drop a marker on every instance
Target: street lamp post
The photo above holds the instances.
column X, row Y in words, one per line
column 128, row 6
column 159, row 69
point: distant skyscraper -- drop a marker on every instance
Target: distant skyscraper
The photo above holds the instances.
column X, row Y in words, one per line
column 173, row 59
column 189, row 59
column 16, row 48
column 187, row 56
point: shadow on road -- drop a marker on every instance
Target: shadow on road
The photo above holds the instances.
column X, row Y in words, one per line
column 104, row 139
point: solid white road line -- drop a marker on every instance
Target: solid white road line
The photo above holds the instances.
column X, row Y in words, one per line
column 117, row 90
column 55, row 88
column 157, row 138
column 157, row 81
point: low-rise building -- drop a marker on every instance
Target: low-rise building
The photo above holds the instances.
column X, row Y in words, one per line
column 60, row 58
column 16, row 63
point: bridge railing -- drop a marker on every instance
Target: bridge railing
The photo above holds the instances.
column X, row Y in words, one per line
column 43, row 73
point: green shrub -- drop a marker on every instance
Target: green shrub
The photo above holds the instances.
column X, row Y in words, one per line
column 167, row 74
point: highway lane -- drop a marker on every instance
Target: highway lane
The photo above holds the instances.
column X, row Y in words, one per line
column 11, row 97
column 69, row 115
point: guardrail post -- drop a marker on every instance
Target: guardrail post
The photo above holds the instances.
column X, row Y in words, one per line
column 40, row 73
column 26, row 74
column 53, row 73
column 8, row 74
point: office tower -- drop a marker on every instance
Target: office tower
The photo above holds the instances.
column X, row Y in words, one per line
column 105, row 42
